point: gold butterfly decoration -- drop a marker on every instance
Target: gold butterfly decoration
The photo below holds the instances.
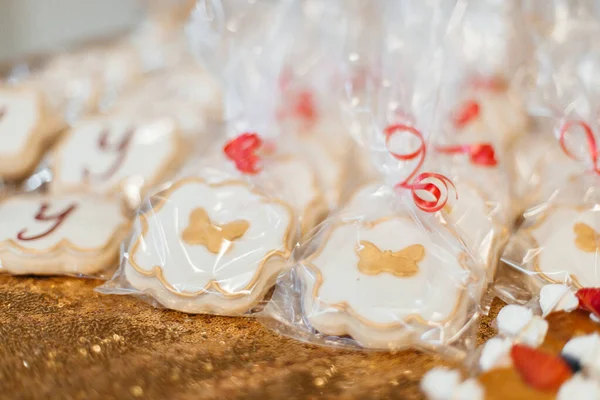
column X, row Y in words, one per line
column 586, row 237
column 201, row 231
column 403, row 263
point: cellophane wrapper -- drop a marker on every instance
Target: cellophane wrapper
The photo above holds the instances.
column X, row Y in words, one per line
column 76, row 167
column 380, row 272
column 556, row 241
column 215, row 238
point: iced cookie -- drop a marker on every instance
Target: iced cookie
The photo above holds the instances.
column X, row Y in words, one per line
column 24, row 135
column 111, row 153
column 560, row 245
column 210, row 248
column 73, row 234
column 351, row 284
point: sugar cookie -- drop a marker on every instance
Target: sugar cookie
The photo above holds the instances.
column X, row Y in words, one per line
column 72, row 234
column 352, row 281
column 23, row 133
column 109, row 153
column 210, row 248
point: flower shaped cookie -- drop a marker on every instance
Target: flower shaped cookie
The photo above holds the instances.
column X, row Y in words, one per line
column 109, row 153
column 75, row 234
column 384, row 281
column 210, row 248
column 562, row 245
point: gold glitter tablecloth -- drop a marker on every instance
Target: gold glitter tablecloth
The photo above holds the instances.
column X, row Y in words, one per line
column 61, row 340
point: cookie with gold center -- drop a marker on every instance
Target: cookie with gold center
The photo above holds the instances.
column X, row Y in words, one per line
column 210, row 247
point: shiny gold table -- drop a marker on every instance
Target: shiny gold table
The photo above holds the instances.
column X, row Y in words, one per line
column 61, row 340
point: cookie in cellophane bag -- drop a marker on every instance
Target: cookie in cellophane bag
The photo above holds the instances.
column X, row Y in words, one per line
column 117, row 153
column 345, row 291
column 203, row 247
column 556, row 242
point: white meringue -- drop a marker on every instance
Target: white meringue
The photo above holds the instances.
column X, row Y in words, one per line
column 440, row 383
column 534, row 333
column 557, row 297
column 586, row 349
column 512, row 319
column 579, row 388
column 495, row 353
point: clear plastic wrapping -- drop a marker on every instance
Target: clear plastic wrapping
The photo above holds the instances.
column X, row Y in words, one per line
column 556, row 241
column 389, row 237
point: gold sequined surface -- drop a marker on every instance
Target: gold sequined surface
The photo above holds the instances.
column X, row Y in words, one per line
column 61, row 340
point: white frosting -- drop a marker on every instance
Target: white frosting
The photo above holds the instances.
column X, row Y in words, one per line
column 19, row 116
column 189, row 268
column 444, row 384
column 373, row 312
column 89, row 226
column 559, row 256
column 495, row 353
column 512, row 319
column 153, row 145
column 557, row 297
column 579, row 388
column 587, row 350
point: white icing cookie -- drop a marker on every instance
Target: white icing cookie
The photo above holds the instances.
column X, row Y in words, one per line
column 564, row 245
column 73, row 234
column 385, row 283
column 110, row 153
column 23, row 135
column 210, row 248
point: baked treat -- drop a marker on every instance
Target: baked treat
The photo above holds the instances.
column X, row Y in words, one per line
column 210, row 248
column 365, row 258
column 26, row 131
column 70, row 234
column 557, row 244
column 106, row 154
column 535, row 358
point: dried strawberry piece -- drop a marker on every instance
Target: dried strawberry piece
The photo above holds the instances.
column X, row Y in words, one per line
column 538, row 369
column 589, row 300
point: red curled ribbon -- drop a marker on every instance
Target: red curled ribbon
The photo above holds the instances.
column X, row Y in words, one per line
column 591, row 142
column 440, row 197
column 480, row 154
column 243, row 151
column 467, row 113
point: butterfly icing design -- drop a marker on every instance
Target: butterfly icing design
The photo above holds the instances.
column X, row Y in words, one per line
column 586, row 237
column 201, row 231
column 403, row 263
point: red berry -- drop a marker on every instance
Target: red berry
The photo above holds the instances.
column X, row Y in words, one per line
column 538, row 369
column 589, row 300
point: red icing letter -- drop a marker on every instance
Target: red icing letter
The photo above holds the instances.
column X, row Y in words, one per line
column 41, row 216
column 120, row 148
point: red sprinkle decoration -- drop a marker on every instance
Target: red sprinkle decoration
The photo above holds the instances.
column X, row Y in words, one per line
column 538, row 369
column 243, row 152
column 440, row 198
column 467, row 114
column 591, row 142
column 589, row 300
column 480, row 154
